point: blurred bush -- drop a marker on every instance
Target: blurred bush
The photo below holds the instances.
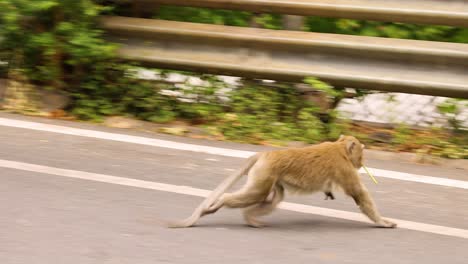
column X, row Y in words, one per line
column 218, row 16
column 275, row 113
column 54, row 42
column 387, row 29
column 56, row 45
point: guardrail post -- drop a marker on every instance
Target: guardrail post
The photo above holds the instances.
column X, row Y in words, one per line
column 291, row 22
column 253, row 21
column 140, row 10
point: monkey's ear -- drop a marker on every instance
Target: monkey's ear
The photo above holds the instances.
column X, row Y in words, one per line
column 341, row 137
column 350, row 146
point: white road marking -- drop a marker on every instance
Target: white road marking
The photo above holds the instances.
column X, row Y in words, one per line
column 187, row 190
column 124, row 138
column 207, row 149
column 418, row 178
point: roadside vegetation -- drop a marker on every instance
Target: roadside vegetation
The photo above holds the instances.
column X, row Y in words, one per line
column 56, row 45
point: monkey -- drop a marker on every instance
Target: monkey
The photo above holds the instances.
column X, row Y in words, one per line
column 320, row 167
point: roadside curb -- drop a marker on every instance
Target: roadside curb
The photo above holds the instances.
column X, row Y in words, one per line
column 407, row 157
column 134, row 125
column 417, row 159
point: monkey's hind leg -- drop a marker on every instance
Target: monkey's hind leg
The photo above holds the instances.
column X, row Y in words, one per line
column 240, row 199
column 263, row 208
column 255, row 191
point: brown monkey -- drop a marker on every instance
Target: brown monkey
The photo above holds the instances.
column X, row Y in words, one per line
column 320, row 167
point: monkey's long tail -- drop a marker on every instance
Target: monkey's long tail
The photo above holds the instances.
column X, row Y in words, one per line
column 216, row 193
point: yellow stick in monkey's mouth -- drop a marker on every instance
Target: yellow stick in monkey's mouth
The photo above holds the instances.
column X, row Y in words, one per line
column 370, row 175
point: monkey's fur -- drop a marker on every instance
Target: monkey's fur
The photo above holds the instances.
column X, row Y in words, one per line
column 323, row 167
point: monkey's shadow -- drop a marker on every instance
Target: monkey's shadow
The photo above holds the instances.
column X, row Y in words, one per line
column 305, row 224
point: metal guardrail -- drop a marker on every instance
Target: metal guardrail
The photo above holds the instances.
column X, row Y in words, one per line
column 443, row 12
column 420, row 67
column 396, row 65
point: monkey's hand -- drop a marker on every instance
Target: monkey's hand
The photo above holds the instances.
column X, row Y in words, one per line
column 386, row 224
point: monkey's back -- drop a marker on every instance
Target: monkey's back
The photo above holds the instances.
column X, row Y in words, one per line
column 311, row 168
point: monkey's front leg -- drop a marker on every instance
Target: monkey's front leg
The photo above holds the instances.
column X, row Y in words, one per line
column 363, row 199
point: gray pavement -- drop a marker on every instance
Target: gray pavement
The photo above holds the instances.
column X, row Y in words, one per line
column 50, row 219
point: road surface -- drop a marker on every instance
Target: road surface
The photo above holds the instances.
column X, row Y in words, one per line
column 78, row 193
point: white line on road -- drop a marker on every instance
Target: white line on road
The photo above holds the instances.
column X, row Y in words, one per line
column 302, row 208
column 124, row 138
column 207, row 149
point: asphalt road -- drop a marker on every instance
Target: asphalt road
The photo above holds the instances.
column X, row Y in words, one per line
column 49, row 215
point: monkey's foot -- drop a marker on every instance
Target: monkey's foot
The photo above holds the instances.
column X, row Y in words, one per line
column 208, row 211
column 211, row 210
column 252, row 222
column 387, row 224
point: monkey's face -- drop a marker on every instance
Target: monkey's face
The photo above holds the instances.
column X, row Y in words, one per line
column 354, row 149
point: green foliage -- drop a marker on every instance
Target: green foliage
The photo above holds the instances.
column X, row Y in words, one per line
column 201, row 102
column 218, row 16
column 55, row 43
column 204, row 15
column 452, row 108
column 254, row 113
column 273, row 113
column 318, row 24
column 269, row 21
column 387, row 29
column 324, row 87
column 147, row 100
column 402, row 134
column 452, row 151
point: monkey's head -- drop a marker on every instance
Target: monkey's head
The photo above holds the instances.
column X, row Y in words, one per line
column 354, row 149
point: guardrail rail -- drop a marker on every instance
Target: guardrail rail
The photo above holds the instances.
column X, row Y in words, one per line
column 395, row 65
column 442, row 12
